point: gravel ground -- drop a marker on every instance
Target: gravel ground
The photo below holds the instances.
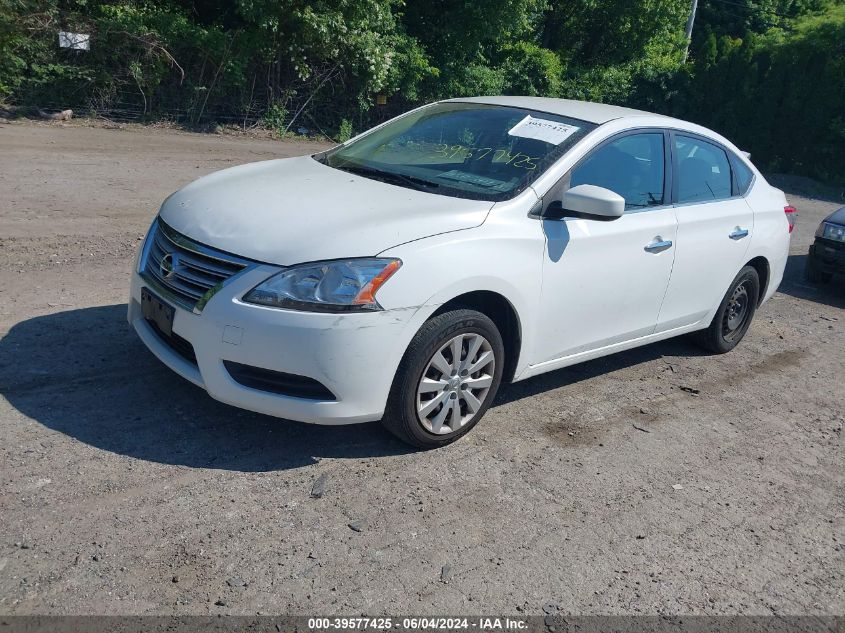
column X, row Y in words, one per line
column 656, row 481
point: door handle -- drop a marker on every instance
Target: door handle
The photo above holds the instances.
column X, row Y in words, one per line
column 738, row 234
column 658, row 246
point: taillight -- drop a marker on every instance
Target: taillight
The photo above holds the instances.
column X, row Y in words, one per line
column 790, row 212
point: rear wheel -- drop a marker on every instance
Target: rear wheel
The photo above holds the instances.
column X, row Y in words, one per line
column 447, row 379
column 735, row 313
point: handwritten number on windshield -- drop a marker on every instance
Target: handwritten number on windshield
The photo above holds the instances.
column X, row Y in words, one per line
column 519, row 159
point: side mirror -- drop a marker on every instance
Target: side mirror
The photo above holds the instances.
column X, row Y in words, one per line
column 587, row 202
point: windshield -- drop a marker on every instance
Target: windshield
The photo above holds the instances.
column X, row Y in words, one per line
column 467, row 150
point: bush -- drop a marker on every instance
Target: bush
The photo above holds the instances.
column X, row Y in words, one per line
column 344, row 132
column 275, row 117
column 780, row 96
column 531, row 70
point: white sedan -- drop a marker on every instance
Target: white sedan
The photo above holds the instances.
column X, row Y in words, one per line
column 403, row 275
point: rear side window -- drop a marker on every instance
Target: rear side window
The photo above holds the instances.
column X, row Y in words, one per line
column 703, row 172
column 744, row 176
column 631, row 166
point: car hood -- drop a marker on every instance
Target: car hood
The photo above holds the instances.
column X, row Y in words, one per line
column 297, row 210
column 837, row 217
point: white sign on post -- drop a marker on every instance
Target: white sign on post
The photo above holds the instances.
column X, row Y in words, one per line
column 544, row 130
column 75, row 41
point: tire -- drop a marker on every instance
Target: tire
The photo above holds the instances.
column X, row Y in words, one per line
column 813, row 274
column 410, row 414
column 735, row 313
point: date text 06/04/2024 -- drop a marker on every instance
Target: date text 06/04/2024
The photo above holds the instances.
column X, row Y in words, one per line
column 417, row 623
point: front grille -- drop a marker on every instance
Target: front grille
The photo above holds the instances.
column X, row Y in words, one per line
column 184, row 269
column 278, row 382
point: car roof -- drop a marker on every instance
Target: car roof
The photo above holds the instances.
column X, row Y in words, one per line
column 583, row 110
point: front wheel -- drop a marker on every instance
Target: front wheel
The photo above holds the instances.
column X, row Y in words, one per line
column 735, row 313
column 447, row 379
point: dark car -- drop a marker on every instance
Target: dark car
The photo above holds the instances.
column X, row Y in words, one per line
column 827, row 254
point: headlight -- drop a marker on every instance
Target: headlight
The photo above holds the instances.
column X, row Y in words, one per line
column 347, row 285
column 833, row 232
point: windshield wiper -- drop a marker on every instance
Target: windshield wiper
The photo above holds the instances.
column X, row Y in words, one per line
column 391, row 177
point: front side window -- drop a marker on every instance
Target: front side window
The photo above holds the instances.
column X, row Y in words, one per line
column 468, row 150
column 632, row 166
column 704, row 173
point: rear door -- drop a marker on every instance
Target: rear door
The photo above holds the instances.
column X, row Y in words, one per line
column 714, row 230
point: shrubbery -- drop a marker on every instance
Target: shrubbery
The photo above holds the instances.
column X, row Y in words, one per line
column 768, row 73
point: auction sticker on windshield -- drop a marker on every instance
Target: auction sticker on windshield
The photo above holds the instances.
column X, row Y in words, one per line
column 544, row 130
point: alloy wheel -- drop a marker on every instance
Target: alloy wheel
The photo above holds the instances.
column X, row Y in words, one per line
column 455, row 383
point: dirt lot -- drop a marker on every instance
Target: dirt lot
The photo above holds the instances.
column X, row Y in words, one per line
column 124, row 489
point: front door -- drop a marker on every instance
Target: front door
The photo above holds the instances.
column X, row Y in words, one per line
column 603, row 282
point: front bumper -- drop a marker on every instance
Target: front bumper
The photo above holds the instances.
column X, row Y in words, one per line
column 828, row 256
column 354, row 355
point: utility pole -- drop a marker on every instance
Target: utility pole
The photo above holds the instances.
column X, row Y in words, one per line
column 690, row 21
